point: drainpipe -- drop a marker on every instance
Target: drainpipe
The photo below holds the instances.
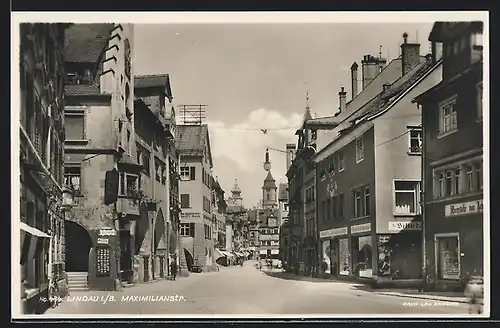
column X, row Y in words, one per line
column 422, row 208
column 153, row 181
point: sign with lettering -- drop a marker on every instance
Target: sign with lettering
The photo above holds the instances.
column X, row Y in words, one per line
column 190, row 215
column 103, row 260
column 333, row 232
column 366, row 227
column 107, row 232
column 404, row 225
column 103, row 241
column 464, row 208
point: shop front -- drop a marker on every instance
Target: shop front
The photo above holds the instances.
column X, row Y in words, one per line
column 454, row 243
column 399, row 252
column 331, row 257
column 362, row 250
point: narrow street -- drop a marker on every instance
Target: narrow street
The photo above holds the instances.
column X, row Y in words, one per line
column 247, row 291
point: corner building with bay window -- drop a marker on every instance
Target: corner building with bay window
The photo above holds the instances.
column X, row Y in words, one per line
column 99, row 126
column 452, row 117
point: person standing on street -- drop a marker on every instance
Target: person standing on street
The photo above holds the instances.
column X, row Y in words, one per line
column 173, row 269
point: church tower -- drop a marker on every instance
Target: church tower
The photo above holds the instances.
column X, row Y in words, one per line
column 269, row 189
column 236, row 198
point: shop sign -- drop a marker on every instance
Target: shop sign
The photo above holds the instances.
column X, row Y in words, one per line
column 107, row 232
column 333, row 232
column 404, row 225
column 190, row 215
column 103, row 241
column 464, row 208
column 366, row 227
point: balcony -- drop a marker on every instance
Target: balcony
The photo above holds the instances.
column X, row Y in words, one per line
column 127, row 206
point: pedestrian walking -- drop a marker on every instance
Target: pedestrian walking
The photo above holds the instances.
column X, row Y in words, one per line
column 173, row 269
column 474, row 292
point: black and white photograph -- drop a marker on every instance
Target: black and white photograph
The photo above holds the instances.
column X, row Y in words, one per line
column 250, row 165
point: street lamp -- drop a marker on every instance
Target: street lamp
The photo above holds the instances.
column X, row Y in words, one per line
column 67, row 198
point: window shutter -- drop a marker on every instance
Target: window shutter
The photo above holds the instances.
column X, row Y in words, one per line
column 192, row 173
column 191, row 229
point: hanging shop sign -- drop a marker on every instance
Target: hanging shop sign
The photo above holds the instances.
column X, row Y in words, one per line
column 464, row 208
column 333, row 232
column 405, row 225
column 366, row 227
column 107, row 232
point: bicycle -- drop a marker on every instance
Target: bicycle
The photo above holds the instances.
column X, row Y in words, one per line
column 54, row 294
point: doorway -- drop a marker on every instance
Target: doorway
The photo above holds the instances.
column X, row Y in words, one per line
column 78, row 244
column 125, row 256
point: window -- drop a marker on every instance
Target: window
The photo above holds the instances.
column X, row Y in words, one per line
column 341, row 160
column 415, row 140
column 367, row 201
column 314, row 135
column 357, row 204
column 406, row 195
column 129, row 183
column 468, row 180
column 185, row 230
column 184, row 172
column 185, row 201
column 448, row 250
column 145, row 162
column 334, row 208
column 448, row 118
column 74, row 125
column 477, row 39
column 72, row 177
column 360, row 150
column 479, row 176
column 480, row 101
column 448, row 182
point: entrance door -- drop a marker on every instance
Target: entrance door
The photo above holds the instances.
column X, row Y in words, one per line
column 78, row 244
column 125, row 255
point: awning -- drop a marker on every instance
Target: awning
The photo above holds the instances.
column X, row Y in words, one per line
column 33, row 231
column 227, row 254
column 275, row 251
column 32, row 241
column 218, row 254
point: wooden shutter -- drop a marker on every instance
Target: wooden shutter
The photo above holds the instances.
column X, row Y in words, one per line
column 191, row 229
column 185, row 200
column 192, row 173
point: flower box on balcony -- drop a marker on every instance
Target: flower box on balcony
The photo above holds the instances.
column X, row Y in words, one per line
column 128, row 206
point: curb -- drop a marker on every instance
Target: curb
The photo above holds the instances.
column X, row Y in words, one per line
column 425, row 298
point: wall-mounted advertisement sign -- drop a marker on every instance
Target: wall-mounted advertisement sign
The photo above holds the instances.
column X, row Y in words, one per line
column 405, row 225
column 464, row 208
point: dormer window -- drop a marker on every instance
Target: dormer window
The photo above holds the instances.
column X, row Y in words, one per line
column 314, row 135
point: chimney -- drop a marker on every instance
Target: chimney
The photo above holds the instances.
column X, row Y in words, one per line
column 342, row 100
column 354, row 80
column 370, row 69
column 410, row 54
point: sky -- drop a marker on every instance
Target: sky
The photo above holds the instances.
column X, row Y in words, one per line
column 255, row 76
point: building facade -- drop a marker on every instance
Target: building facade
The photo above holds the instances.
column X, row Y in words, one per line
column 41, row 155
column 369, row 181
column 283, row 219
column 155, row 152
column 196, row 196
column 452, row 161
column 99, row 150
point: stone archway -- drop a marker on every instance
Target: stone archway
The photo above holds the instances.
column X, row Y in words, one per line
column 78, row 244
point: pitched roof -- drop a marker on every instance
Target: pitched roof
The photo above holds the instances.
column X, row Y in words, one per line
column 152, row 81
column 386, row 99
column 269, row 181
column 81, row 90
column 84, row 43
column 283, row 192
column 190, row 139
column 265, row 213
